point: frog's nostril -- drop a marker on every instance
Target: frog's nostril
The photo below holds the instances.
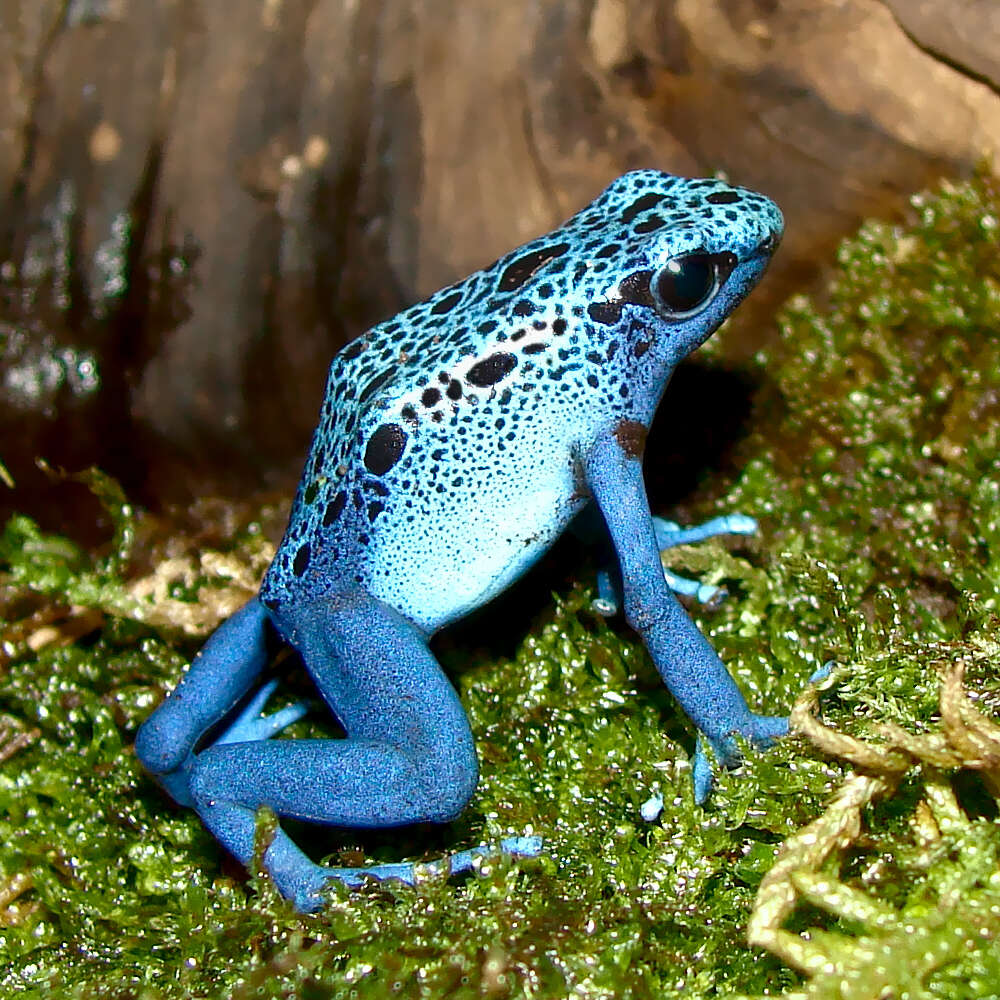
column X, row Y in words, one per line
column 770, row 242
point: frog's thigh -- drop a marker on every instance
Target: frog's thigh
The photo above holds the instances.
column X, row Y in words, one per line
column 408, row 755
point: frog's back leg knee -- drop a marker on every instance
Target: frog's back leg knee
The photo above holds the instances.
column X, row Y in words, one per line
column 219, row 676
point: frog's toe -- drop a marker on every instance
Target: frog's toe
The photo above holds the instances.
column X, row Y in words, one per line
column 464, row 861
column 522, row 847
column 703, row 593
column 669, row 534
column 607, row 601
column 252, row 725
column 761, row 731
column 701, row 773
column 308, row 894
column 821, row 673
column 766, row 729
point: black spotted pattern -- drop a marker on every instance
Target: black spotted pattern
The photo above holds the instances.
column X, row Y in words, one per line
column 301, row 561
column 642, row 204
column 334, row 509
column 385, row 448
column 523, row 267
column 446, row 304
column 723, row 198
column 491, row 370
column 425, row 414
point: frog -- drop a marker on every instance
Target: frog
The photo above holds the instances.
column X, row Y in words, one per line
column 456, row 442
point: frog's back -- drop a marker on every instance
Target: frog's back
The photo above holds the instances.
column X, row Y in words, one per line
column 445, row 459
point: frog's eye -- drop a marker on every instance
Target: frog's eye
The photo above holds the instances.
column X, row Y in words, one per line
column 685, row 285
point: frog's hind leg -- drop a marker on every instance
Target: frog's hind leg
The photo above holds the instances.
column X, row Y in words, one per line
column 220, row 676
column 408, row 755
column 668, row 535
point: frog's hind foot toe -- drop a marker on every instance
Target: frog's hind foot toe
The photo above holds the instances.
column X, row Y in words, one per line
column 668, row 535
column 252, row 725
column 308, row 898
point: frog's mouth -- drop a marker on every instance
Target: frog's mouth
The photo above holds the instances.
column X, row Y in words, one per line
column 745, row 275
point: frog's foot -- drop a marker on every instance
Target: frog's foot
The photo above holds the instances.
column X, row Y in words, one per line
column 761, row 731
column 822, row 673
column 252, row 725
column 308, row 897
column 668, row 535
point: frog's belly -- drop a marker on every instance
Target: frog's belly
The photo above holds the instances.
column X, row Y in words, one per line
column 451, row 560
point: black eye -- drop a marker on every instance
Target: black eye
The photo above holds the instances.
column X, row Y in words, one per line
column 685, row 285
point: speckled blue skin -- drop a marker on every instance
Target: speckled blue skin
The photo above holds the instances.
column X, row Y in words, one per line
column 456, row 442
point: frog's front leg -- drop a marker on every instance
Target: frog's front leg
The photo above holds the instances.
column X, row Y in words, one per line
column 408, row 755
column 689, row 666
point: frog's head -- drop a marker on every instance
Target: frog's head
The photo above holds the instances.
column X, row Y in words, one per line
column 682, row 255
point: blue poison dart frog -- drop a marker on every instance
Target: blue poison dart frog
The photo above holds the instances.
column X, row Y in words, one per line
column 456, row 442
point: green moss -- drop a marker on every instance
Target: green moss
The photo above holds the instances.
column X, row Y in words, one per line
column 872, row 466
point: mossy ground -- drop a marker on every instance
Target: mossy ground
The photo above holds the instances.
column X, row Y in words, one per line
column 872, row 465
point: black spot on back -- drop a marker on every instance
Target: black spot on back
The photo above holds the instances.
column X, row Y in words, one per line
column 491, row 370
column 446, row 304
column 518, row 271
column 642, row 204
column 301, row 560
column 374, row 385
column 723, row 198
column 334, row 509
column 385, row 448
column 650, row 225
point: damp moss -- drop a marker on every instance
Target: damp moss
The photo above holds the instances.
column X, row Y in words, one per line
column 862, row 852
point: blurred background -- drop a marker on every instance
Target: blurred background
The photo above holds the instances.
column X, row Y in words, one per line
column 203, row 200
